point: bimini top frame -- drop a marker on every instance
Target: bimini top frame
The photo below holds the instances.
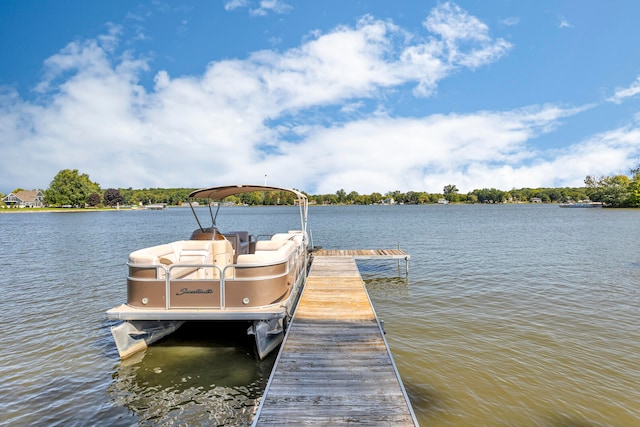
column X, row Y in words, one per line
column 216, row 194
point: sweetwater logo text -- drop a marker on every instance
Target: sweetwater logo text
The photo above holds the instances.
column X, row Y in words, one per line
column 185, row 291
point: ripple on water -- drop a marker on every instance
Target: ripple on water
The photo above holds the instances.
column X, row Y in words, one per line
column 510, row 316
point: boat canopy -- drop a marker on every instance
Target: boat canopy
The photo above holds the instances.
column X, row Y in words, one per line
column 216, row 194
column 219, row 193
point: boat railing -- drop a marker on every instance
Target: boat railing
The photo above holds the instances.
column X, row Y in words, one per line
column 201, row 282
column 178, row 285
column 201, row 271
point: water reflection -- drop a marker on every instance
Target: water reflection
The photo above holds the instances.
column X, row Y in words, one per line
column 204, row 374
column 386, row 277
column 395, row 270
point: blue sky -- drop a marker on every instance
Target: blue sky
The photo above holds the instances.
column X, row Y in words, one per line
column 320, row 96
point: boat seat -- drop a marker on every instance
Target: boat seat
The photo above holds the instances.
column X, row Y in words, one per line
column 193, row 253
column 240, row 242
column 294, row 235
column 270, row 245
column 270, row 253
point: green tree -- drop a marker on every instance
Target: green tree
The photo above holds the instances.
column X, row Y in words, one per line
column 592, row 182
column 490, row 195
column 69, row 187
column 450, row 192
column 397, row 196
column 270, row 198
column 363, row 199
column 352, row 197
column 634, row 193
column 251, row 199
column 634, row 188
column 331, row 199
column 376, row 197
column 412, row 197
column 615, row 191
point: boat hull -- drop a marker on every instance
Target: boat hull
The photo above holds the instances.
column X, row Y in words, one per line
column 136, row 335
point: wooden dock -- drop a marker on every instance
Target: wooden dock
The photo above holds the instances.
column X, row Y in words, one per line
column 334, row 366
column 367, row 254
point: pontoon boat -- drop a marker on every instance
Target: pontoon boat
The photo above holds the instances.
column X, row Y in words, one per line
column 216, row 276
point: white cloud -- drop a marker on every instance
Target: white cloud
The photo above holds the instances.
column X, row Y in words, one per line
column 235, row 4
column 275, row 6
column 563, row 23
column 453, row 24
column 628, row 92
column 510, row 21
column 244, row 118
column 486, row 149
column 264, row 6
column 458, row 29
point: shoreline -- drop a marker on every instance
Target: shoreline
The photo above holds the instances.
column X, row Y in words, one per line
column 65, row 210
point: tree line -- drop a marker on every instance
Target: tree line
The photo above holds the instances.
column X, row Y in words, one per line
column 71, row 188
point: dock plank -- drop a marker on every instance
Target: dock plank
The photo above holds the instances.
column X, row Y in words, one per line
column 335, row 367
column 364, row 253
column 367, row 254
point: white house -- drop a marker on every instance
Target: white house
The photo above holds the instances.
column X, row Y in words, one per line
column 25, row 199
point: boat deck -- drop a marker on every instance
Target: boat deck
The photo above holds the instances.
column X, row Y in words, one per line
column 334, row 366
column 126, row 312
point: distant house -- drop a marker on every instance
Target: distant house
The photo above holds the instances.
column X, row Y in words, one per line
column 536, row 200
column 25, row 199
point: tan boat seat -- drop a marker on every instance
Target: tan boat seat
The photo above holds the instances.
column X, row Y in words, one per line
column 189, row 252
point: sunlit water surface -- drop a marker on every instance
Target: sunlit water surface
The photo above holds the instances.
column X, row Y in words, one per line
column 513, row 315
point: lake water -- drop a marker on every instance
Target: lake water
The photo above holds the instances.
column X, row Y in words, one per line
column 511, row 315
